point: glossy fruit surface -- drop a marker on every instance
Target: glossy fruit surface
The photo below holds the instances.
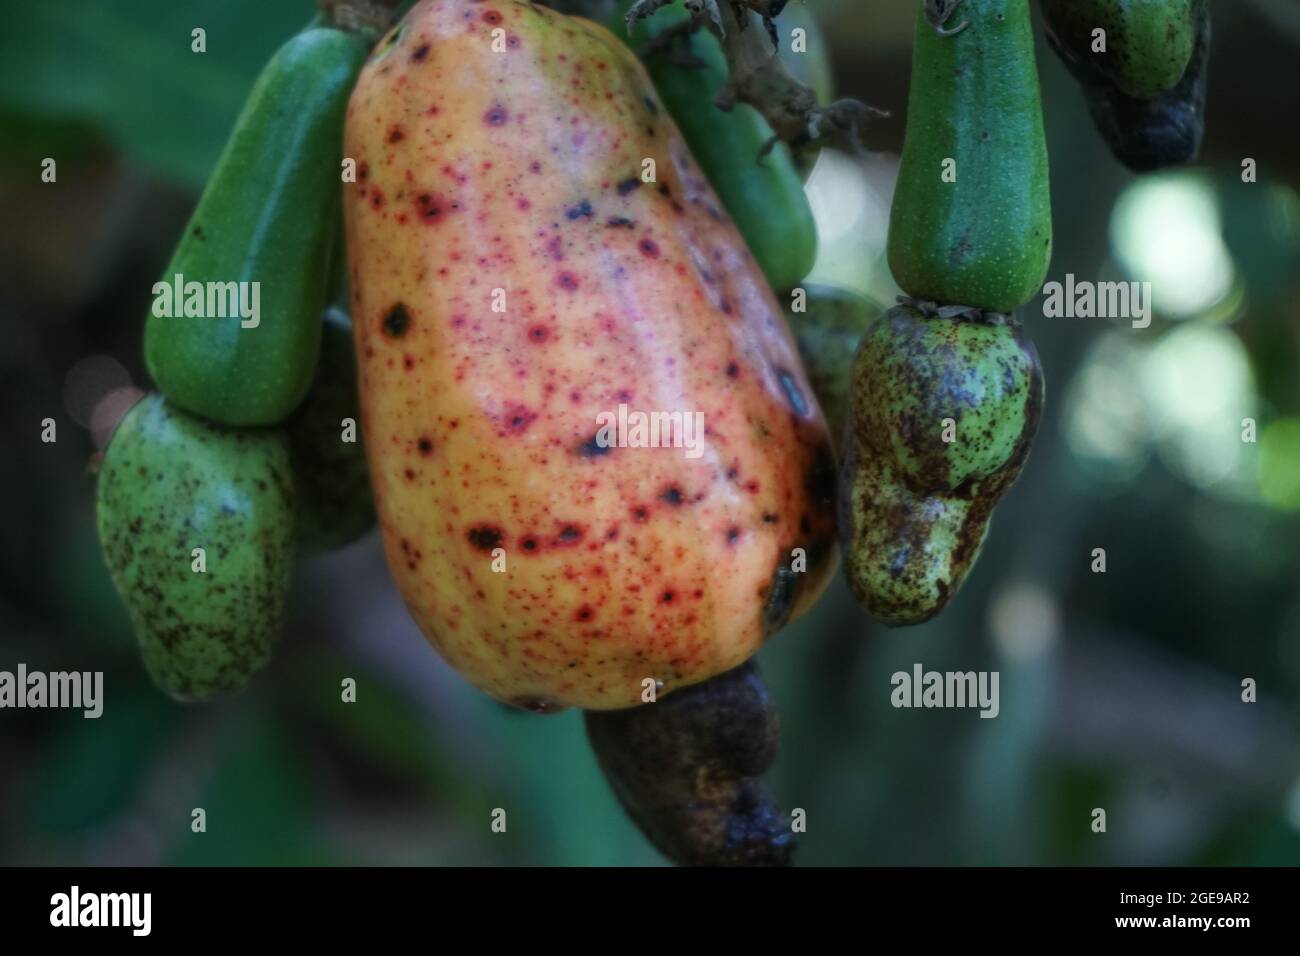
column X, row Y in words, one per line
column 516, row 285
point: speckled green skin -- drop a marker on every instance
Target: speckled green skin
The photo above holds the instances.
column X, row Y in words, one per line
column 170, row 483
column 985, row 240
column 913, row 510
column 335, row 505
column 1147, row 134
column 765, row 198
column 1148, row 42
column 828, row 332
column 269, row 214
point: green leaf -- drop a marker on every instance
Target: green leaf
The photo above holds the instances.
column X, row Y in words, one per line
column 126, row 69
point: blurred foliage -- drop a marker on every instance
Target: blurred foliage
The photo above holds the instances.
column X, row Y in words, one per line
column 1119, row 690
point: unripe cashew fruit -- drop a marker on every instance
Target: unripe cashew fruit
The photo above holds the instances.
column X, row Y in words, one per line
column 267, row 221
column 516, row 278
column 1148, row 43
column 942, row 416
column 828, row 331
column 971, row 222
column 335, row 506
column 1145, row 134
column 171, row 483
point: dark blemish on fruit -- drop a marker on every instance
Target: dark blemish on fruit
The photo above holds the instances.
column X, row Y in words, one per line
column 779, row 601
column 620, row 222
column 567, row 281
column 569, row 534
column 667, row 597
column 518, row 418
column 650, row 104
column 534, row 167
column 410, row 474
column 432, row 206
column 593, row 448
column 397, row 321
column 538, row 333
column 639, row 513
column 649, row 248
column 581, row 211
column 396, row 135
column 197, row 233
column 664, row 190
column 584, row 614
column 492, row 17
column 363, row 172
column 529, row 543
column 733, row 370
column 794, row 395
column 673, row 495
column 420, row 52
column 485, row 537
column 425, row 445
column 496, row 116
column 628, row 185
column 733, row 534
column 376, row 197
column 408, row 362
column 769, row 518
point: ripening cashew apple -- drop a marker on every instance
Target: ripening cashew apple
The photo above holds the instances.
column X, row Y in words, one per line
column 942, row 415
column 531, row 249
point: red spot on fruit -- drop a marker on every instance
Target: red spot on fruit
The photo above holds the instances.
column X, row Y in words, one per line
column 496, row 116
column 567, row 281
column 492, row 17
column 539, row 333
column 649, row 248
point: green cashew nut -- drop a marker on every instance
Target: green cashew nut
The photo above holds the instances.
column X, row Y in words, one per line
column 942, row 416
column 828, row 331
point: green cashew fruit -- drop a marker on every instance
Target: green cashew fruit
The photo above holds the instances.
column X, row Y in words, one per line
column 235, row 324
column 172, row 483
column 1146, row 134
column 335, row 505
column 971, row 222
column 942, row 416
column 764, row 196
column 828, row 330
column 1148, row 43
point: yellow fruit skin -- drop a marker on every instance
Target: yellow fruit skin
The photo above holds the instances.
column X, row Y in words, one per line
column 520, row 171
